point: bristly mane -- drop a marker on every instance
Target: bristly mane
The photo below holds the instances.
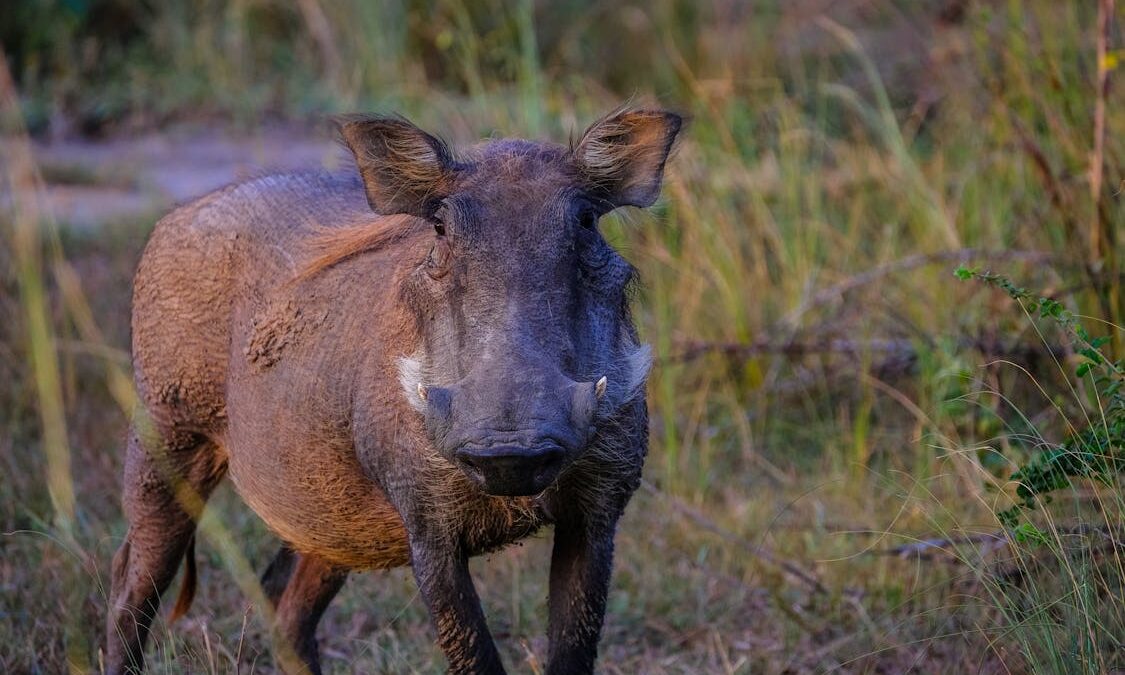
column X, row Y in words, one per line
column 328, row 246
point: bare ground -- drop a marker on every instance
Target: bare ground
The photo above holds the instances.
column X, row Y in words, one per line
column 93, row 183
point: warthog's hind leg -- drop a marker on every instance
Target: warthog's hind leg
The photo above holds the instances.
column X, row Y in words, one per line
column 164, row 489
column 300, row 586
column 277, row 575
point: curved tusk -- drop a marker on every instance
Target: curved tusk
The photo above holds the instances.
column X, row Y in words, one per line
column 599, row 388
column 422, row 393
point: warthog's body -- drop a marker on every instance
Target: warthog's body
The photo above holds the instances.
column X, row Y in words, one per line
column 323, row 357
column 279, row 374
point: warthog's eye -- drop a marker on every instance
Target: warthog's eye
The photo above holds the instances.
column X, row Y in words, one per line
column 439, row 218
column 441, row 255
column 587, row 219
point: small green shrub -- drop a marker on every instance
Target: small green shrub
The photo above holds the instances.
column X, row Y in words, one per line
column 1060, row 583
column 1093, row 451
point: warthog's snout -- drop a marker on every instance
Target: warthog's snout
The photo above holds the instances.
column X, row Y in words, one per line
column 510, row 444
column 512, row 470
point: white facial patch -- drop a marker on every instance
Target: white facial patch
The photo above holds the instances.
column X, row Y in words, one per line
column 628, row 381
column 410, row 377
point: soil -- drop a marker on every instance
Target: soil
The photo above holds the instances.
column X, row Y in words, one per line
column 92, row 183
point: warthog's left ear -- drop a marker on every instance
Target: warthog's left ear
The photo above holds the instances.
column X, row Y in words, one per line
column 404, row 169
column 622, row 156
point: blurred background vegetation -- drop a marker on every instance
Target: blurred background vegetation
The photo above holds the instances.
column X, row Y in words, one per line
column 836, row 418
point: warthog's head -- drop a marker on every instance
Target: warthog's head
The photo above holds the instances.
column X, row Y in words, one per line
column 526, row 341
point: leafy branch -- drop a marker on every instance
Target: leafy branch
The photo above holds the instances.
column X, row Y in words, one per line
column 1093, row 452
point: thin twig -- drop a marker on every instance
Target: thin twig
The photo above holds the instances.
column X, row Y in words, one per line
column 989, row 542
column 780, row 337
column 241, row 639
column 928, row 549
column 899, row 349
column 912, row 262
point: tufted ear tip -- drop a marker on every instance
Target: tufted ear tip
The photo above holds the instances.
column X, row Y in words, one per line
column 404, row 169
column 622, row 156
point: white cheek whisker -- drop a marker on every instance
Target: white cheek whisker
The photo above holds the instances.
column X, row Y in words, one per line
column 632, row 373
column 410, row 377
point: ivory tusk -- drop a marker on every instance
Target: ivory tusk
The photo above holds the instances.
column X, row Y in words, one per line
column 599, row 388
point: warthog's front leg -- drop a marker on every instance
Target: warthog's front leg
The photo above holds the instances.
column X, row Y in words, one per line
column 442, row 572
column 581, row 565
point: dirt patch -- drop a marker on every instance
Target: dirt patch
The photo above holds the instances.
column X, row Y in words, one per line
column 128, row 178
column 274, row 329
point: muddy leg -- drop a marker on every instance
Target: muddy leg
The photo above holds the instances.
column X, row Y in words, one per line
column 455, row 610
column 160, row 528
column 301, row 586
column 581, row 565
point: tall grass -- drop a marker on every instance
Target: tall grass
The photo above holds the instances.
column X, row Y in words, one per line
column 1061, row 588
column 817, row 368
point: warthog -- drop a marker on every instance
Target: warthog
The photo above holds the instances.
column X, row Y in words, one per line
column 409, row 364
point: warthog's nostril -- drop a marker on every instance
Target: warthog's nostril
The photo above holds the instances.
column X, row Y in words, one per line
column 512, row 470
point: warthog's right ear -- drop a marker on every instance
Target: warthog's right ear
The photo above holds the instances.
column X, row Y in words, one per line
column 404, row 169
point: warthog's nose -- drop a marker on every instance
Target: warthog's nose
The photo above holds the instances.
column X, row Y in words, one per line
column 512, row 471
